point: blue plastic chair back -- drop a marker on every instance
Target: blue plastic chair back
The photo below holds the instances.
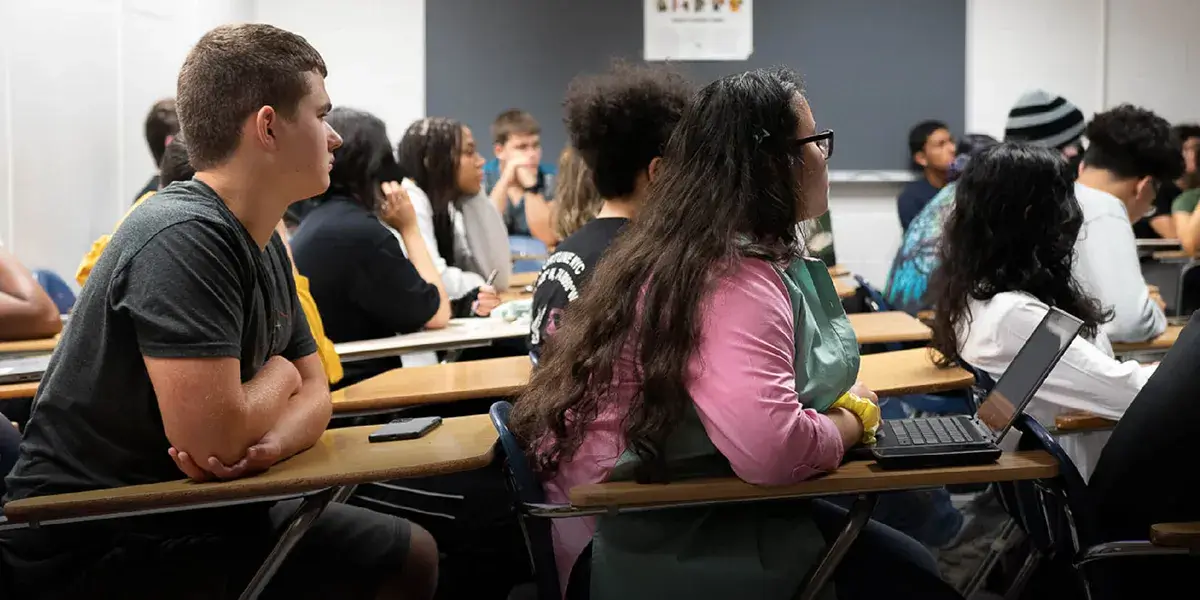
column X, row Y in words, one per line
column 1056, row 515
column 57, row 288
column 527, row 489
column 875, row 300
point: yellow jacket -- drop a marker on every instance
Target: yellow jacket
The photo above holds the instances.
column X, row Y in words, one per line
column 325, row 349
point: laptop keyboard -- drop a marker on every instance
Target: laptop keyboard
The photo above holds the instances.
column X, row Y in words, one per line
column 928, row 431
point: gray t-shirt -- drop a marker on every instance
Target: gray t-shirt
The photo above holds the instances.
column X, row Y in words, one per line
column 181, row 278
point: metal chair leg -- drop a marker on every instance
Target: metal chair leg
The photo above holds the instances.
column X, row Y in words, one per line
column 860, row 513
column 305, row 516
column 1022, row 578
column 999, row 545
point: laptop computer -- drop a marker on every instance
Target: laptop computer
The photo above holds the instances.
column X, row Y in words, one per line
column 20, row 369
column 974, row 439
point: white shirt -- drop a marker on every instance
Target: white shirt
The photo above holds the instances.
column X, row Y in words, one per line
column 457, row 281
column 1106, row 265
column 1086, row 378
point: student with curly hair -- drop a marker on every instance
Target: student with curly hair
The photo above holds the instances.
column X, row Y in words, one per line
column 619, row 123
column 1006, row 258
column 1130, row 151
column 711, row 347
column 578, row 201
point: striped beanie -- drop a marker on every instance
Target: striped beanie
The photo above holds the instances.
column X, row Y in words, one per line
column 1045, row 119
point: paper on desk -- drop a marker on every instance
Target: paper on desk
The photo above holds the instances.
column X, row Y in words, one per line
column 698, row 30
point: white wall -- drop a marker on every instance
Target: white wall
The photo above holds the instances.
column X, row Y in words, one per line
column 76, row 80
column 375, row 52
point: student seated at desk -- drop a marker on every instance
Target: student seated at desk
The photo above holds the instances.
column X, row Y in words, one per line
column 464, row 234
column 366, row 285
column 1162, row 222
column 1183, row 209
column 176, row 167
column 578, row 201
column 712, row 346
column 931, row 148
column 618, row 122
column 516, row 181
column 188, row 355
column 1005, row 258
column 1129, row 151
column 1039, row 118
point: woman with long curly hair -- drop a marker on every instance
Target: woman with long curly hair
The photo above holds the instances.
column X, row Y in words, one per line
column 705, row 345
column 1005, row 258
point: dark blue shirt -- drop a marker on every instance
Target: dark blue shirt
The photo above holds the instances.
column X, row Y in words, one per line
column 913, row 198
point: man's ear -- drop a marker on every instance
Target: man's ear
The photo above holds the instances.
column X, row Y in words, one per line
column 498, row 150
column 1145, row 186
column 264, row 122
column 652, row 170
column 921, row 159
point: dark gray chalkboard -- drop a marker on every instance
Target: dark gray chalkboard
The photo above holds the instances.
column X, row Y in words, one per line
column 872, row 68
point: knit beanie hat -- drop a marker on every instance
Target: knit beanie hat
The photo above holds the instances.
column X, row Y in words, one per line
column 1042, row 118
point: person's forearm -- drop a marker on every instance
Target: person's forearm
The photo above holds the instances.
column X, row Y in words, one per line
column 22, row 319
column 419, row 256
column 305, row 417
column 1163, row 226
column 537, row 215
column 1189, row 232
column 267, row 397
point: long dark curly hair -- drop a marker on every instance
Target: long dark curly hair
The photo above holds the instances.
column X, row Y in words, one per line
column 1012, row 228
column 727, row 187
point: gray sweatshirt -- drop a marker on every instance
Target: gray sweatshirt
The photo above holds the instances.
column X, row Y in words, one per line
column 1106, row 265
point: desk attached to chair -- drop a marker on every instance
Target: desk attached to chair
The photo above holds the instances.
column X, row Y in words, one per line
column 888, row 327
column 341, row 459
column 29, row 346
column 1163, row 342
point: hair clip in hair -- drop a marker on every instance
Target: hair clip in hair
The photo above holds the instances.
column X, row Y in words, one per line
column 761, row 135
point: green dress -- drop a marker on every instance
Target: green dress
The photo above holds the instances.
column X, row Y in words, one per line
column 761, row 550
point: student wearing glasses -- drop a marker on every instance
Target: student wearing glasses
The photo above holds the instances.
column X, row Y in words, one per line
column 714, row 347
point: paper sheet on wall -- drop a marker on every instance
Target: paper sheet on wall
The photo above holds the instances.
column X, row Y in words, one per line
column 698, row 30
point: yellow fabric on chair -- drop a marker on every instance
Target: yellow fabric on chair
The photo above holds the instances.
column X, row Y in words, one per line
column 867, row 411
column 325, row 348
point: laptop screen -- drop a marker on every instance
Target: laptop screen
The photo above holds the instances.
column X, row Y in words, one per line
column 1028, row 370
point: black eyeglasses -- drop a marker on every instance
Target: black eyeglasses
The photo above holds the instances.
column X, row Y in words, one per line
column 823, row 140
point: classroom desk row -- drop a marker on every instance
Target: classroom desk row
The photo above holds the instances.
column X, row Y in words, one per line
column 343, row 458
column 888, row 374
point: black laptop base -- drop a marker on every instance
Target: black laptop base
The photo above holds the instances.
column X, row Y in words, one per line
column 927, row 457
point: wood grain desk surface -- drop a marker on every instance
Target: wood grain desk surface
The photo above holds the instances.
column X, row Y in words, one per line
column 910, row 372
column 1162, row 342
column 460, row 333
column 852, row 477
column 520, row 280
column 845, row 285
column 19, row 346
column 10, row 391
column 340, row 457
column 436, row 384
column 887, row 327
column 1082, row 421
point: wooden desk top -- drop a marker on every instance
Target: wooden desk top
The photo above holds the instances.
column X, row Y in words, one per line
column 520, row 280
column 340, row 457
column 436, row 384
column 1082, row 421
column 43, row 345
column 18, row 390
column 1171, row 256
column 1157, row 243
column 852, row 477
column 838, row 271
column 845, row 285
column 513, row 295
column 910, row 372
column 1162, row 342
column 886, row 327
column 460, row 333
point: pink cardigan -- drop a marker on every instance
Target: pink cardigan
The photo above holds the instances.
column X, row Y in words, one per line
column 743, row 382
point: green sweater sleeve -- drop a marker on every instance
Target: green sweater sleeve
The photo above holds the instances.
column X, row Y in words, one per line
column 1186, row 202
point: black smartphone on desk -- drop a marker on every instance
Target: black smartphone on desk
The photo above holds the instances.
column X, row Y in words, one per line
column 405, row 429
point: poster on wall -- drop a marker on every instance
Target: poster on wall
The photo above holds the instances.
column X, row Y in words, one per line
column 698, row 30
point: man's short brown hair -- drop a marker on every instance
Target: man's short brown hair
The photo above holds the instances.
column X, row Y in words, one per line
column 514, row 122
column 233, row 71
column 161, row 123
